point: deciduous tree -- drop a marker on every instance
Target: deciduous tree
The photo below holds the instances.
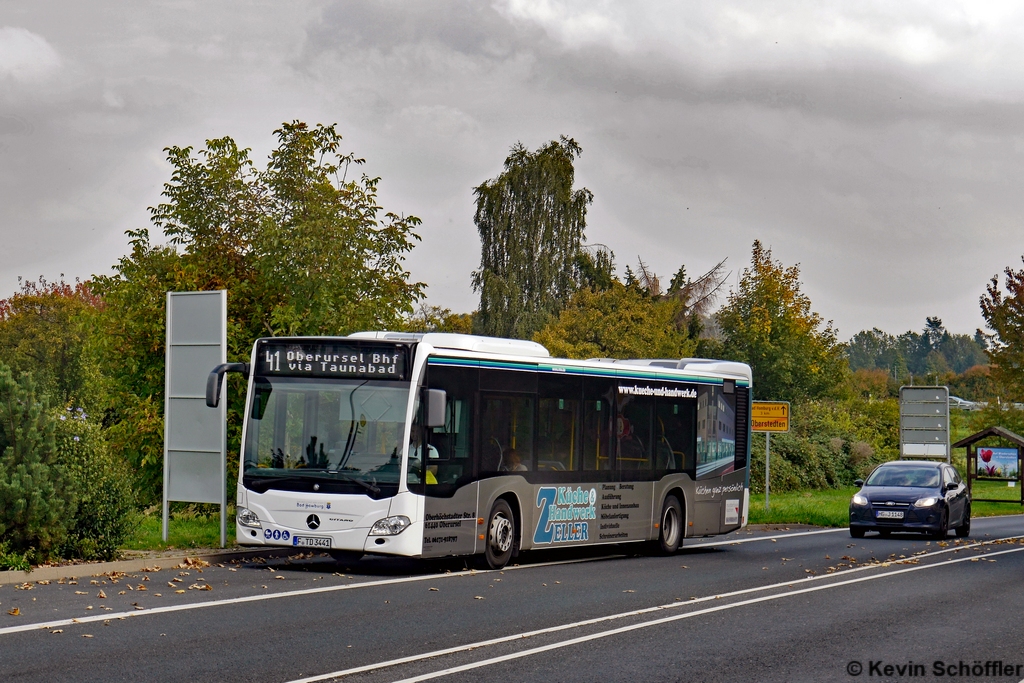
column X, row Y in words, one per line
column 531, row 223
column 301, row 248
column 768, row 323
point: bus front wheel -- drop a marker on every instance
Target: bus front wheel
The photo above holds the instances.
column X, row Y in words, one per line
column 670, row 527
column 500, row 535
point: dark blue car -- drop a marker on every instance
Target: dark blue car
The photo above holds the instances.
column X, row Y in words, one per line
column 911, row 495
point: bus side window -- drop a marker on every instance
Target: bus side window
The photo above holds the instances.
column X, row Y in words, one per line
column 675, row 441
column 558, row 423
column 634, row 432
column 450, row 447
column 598, row 394
column 506, row 433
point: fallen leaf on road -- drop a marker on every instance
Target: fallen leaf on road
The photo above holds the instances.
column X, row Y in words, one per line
column 14, row 612
column 87, row 635
column 101, row 594
column 60, row 630
column 121, row 592
column 478, row 597
column 629, row 591
column 180, row 590
column 433, row 589
column 81, row 593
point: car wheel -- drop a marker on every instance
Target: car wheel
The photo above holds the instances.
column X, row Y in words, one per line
column 500, row 535
column 857, row 532
column 670, row 535
column 964, row 529
column 943, row 529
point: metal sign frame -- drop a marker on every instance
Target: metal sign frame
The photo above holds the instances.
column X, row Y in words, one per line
column 195, row 437
column 924, row 423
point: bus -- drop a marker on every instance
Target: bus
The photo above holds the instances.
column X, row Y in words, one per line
column 437, row 444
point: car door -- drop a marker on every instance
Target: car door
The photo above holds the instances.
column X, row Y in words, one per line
column 954, row 497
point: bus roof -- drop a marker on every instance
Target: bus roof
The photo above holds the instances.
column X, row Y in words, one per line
column 528, row 349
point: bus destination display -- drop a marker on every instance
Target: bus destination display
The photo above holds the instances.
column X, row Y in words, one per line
column 327, row 359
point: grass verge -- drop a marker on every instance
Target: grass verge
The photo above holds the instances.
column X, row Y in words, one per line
column 831, row 507
column 193, row 526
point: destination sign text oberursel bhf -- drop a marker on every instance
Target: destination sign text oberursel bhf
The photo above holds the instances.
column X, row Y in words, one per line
column 329, row 359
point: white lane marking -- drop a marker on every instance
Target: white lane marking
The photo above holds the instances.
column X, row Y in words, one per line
column 677, row 617
column 763, row 538
column 272, row 596
column 612, row 617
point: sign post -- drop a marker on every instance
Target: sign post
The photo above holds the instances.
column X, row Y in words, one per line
column 768, row 417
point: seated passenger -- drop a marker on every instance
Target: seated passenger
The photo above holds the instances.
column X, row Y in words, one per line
column 514, row 463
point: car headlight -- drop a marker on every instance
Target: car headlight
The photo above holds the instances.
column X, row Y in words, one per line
column 926, row 502
column 859, row 499
column 390, row 526
column 247, row 517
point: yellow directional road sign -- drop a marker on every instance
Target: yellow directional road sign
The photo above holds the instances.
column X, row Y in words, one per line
column 769, row 416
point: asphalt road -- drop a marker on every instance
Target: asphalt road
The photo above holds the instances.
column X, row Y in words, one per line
column 776, row 605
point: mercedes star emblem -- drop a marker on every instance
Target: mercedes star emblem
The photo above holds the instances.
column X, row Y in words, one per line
column 313, row 522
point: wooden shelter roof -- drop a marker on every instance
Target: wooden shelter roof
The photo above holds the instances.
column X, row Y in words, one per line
column 990, row 431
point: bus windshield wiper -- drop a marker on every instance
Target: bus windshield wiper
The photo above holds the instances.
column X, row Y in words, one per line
column 356, row 480
column 264, row 484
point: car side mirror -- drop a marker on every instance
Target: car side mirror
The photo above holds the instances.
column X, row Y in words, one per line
column 858, row 482
column 437, row 407
column 950, row 487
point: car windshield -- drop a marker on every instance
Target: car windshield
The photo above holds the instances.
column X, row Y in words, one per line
column 924, row 477
column 326, row 429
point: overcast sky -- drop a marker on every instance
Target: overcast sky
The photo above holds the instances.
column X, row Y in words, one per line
column 880, row 145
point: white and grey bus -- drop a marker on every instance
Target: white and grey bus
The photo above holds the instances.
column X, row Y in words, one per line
column 438, row 444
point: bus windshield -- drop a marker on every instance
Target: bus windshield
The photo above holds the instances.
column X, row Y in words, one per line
column 347, row 430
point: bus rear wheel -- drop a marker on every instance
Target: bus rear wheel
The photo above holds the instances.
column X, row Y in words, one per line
column 500, row 535
column 670, row 527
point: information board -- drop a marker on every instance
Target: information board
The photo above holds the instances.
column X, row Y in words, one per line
column 924, row 422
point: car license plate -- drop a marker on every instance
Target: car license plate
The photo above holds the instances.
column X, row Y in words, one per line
column 311, row 541
column 889, row 514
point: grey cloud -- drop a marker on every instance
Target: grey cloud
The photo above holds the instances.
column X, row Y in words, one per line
column 877, row 175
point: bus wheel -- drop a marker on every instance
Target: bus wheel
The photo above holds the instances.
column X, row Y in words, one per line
column 500, row 535
column 671, row 526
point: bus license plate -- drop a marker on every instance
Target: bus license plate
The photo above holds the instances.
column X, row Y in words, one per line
column 311, row 541
column 889, row 514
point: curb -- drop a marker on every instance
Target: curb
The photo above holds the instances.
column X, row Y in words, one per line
column 162, row 560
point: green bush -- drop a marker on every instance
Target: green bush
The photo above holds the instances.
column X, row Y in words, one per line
column 830, row 443
column 101, row 483
column 35, row 505
column 13, row 560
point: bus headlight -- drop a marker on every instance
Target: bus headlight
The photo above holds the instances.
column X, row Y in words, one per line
column 390, row 526
column 247, row 517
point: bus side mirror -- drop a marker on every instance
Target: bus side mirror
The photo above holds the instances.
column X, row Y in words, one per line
column 437, row 407
column 215, row 379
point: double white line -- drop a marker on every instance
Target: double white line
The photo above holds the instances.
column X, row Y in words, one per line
column 653, row 622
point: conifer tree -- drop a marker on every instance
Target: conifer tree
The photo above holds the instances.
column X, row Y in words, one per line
column 34, row 504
